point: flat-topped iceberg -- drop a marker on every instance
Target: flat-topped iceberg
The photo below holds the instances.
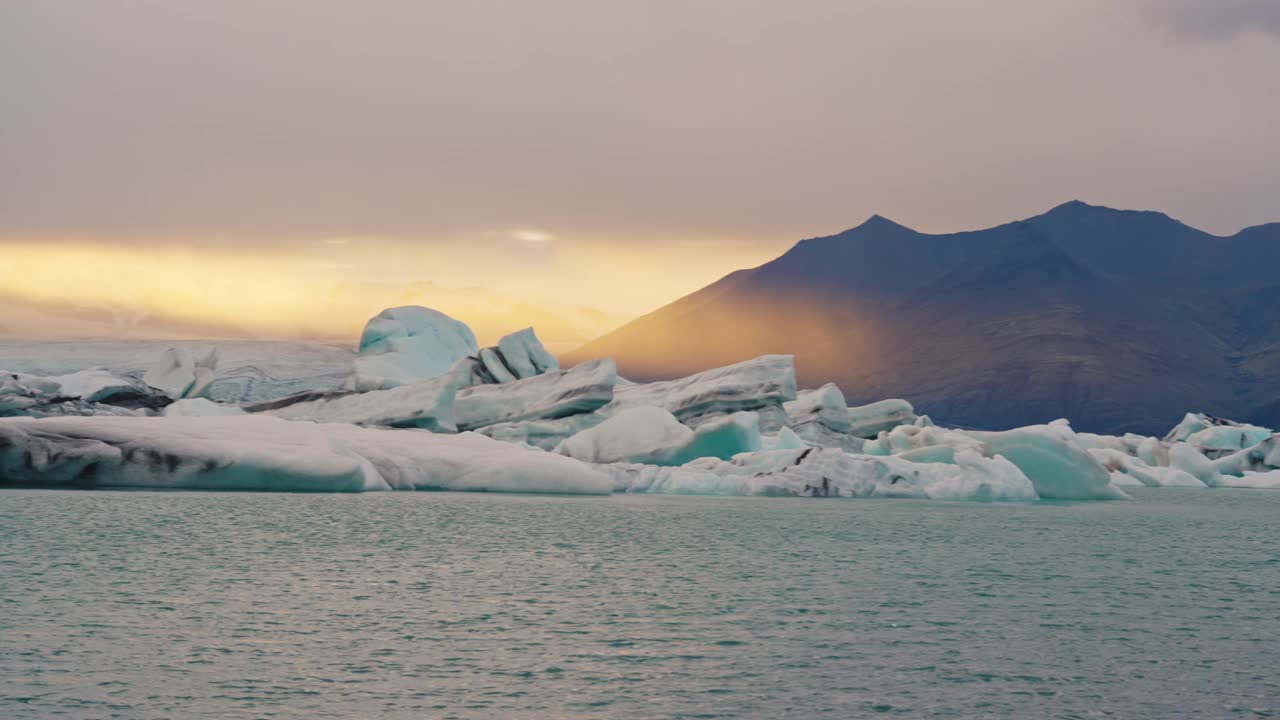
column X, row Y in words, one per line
column 868, row 421
column 270, row 454
column 762, row 384
column 555, row 394
column 425, row 404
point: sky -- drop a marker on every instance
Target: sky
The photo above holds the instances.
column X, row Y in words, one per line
column 234, row 162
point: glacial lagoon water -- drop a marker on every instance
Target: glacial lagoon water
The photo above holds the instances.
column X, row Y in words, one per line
column 438, row 605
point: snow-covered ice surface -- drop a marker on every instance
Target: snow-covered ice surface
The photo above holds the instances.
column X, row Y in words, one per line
column 302, row 416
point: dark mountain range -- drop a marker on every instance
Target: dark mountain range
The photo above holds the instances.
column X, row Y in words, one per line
column 1119, row 320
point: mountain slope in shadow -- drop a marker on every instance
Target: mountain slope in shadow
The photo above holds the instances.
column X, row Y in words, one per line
column 1119, row 320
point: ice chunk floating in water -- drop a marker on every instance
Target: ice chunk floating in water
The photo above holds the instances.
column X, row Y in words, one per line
column 266, row 453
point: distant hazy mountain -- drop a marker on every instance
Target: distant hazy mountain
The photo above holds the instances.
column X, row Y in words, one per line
column 1119, row 320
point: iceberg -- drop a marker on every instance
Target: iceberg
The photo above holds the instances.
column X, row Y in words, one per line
column 270, row 454
column 1227, row 438
column 179, row 374
column 784, row 439
column 652, row 436
column 542, row 434
column 762, row 384
column 1269, row 480
column 517, row 356
column 425, row 408
column 1116, row 462
column 201, row 407
column 829, row 472
column 868, row 421
column 426, row 404
column 87, row 392
column 525, row 355
column 821, row 418
column 1262, row 457
column 403, row 345
column 1193, row 423
column 1058, row 467
column 1190, row 461
column 94, row 385
column 908, row 438
column 492, row 368
column 555, row 394
column 825, row 406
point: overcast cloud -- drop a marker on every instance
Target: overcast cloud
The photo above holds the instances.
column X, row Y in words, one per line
column 628, row 122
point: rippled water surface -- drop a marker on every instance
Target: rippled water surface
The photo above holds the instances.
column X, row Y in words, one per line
column 436, row 605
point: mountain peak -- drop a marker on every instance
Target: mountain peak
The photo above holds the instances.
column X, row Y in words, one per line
column 1080, row 210
column 1074, row 205
column 880, row 222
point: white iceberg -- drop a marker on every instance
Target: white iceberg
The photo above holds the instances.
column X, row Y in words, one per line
column 1136, row 472
column 270, row 454
column 403, row 345
column 762, row 384
column 868, row 421
column 1049, row 455
column 784, row 439
column 523, row 354
column 554, row 394
column 179, row 374
column 426, row 404
column 201, row 407
column 1269, row 480
column 1228, row 438
column 87, row 392
column 821, row 418
column 652, row 436
column 1262, row 457
column 1058, row 467
column 542, row 434
column 94, row 385
column 829, row 472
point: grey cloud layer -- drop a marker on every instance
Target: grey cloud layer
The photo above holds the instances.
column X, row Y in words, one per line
column 718, row 117
column 1218, row 18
